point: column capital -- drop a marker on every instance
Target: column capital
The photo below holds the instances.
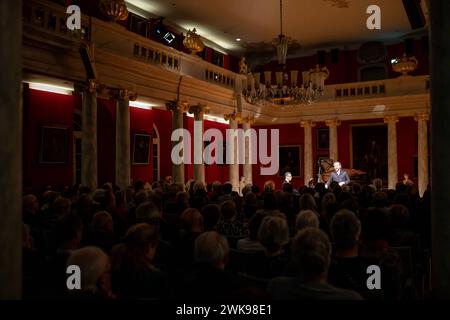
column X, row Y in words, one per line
column 92, row 85
column 333, row 122
column 177, row 105
column 248, row 119
column 422, row 117
column 237, row 116
column 390, row 119
column 123, row 94
column 307, row 124
column 198, row 109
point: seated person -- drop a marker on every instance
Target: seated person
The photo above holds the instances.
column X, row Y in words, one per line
column 340, row 176
column 209, row 280
column 311, row 252
column 134, row 275
column 95, row 268
column 251, row 243
column 348, row 269
column 273, row 234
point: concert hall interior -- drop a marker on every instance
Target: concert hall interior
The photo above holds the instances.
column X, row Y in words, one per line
column 225, row 150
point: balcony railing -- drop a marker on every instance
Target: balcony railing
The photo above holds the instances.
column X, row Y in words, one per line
column 51, row 19
column 381, row 88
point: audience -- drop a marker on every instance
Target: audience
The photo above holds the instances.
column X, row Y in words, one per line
column 165, row 240
column 311, row 251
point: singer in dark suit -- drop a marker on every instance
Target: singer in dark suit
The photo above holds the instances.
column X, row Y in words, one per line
column 340, row 176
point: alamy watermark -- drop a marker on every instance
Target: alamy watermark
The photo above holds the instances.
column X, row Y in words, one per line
column 74, row 20
column 235, row 139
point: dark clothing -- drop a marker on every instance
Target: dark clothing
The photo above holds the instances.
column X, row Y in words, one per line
column 341, row 177
column 205, row 282
column 140, row 284
column 269, row 267
column 286, row 288
column 350, row 273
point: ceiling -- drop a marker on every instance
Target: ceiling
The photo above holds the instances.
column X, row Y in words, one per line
column 313, row 24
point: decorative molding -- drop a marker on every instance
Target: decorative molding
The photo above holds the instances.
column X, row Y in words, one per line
column 391, row 119
column 307, row 124
column 422, row 117
column 92, row 85
column 177, row 105
column 236, row 116
column 333, row 122
column 248, row 119
column 198, row 110
column 123, row 94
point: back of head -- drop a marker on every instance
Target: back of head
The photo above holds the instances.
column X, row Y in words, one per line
column 140, row 197
column 141, row 235
column 148, row 212
column 311, row 252
column 211, row 248
column 93, row 263
column 399, row 216
column 211, row 216
column 306, row 218
column 269, row 186
column 345, row 229
column 191, row 220
column 103, row 221
column 62, row 206
column 227, row 188
column 380, row 199
column 273, row 233
column 228, row 210
column 68, row 228
column 31, row 203
column 378, row 184
column 199, row 186
column 306, row 202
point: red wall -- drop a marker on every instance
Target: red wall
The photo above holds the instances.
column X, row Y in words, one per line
column 215, row 172
column 141, row 121
column 293, row 134
column 163, row 122
column 406, row 146
column 290, row 134
column 46, row 109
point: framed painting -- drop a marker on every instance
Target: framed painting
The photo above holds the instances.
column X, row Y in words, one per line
column 54, row 145
column 323, row 139
column 290, row 160
column 141, row 148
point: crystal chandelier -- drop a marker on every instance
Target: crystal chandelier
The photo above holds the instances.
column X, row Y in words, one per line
column 286, row 91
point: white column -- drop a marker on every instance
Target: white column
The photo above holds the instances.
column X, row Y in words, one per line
column 199, row 166
column 333, row 124
column 178, row 110
column 422, row 132
column 89, row 135
column 307, row 126
column 123, row 157
column 246, row 126
column 392, row 151
column 234, row 166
